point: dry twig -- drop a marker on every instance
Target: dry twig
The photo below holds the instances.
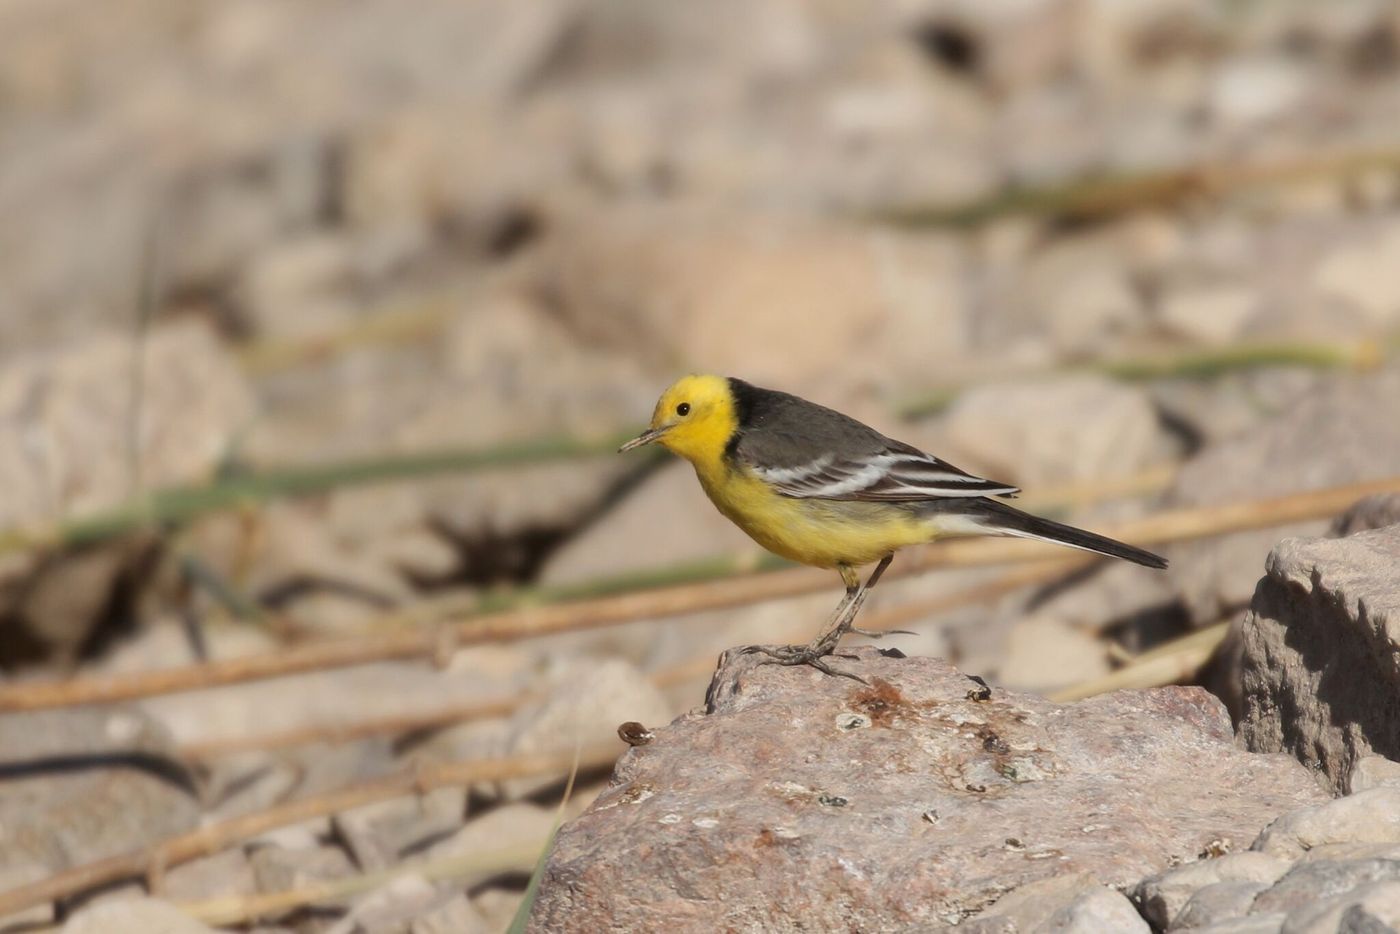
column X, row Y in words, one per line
column 215, row 837
column 1177, row 525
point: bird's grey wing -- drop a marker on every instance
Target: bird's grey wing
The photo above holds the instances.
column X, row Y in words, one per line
column 827, row 455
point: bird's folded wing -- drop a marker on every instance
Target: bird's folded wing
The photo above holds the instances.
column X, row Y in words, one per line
column 891, row 475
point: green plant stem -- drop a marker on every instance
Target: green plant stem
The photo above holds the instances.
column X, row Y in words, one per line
column 1205, row 363
column 180, row 505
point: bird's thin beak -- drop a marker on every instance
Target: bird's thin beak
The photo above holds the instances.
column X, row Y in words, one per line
column 646, row 437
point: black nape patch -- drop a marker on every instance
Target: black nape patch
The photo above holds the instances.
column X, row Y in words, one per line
column 745, row 400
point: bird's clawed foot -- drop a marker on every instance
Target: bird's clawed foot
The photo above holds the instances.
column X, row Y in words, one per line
column 814, row 655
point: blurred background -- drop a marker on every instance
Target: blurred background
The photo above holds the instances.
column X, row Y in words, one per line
column 321, row 321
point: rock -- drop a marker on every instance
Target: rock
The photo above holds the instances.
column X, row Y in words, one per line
column 278, row 869
column 134, row 916
column 412, row 905
column 223, row 874
column 585, row 705
column 1365, row 817
column 378, row 835
column 1211, row 314
column 325, row 698
column 1252, row 91
column 1366, row 909
column 901, row 803
column 1061, row 904
column 503, row 828
column 1333, row 436
column 1310, row 882
column 625, row 539
column 1215, row 903
column 677, row 283
column 1017, row 433
column 1365, row 275
column 1318, row 652
column 87, row 783
column 1090, row 306
column 1164, row 896
column 1373, row 512
column 62, row 417
column 1373, row 772
column 1043, row 654
column 455, row 916
column 1253, row 924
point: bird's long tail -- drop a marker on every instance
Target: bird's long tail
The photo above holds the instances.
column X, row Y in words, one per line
column 990, row 517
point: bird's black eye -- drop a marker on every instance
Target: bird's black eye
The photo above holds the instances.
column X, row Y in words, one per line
column 683, row 409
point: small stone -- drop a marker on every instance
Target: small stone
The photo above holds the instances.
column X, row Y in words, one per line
column 504, row 828
column 218, row 875
column 134, row 916
column 1365, row 817
column 278, row 870
column 1373, row 512
column 1213, row 314
column 1366, row 276
column 1074, row 903
column 378, row 835
column 1217, row 902
column 1373, row 772
column 1163, row 895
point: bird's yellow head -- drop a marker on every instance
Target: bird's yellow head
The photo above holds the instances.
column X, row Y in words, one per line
column 694, row 418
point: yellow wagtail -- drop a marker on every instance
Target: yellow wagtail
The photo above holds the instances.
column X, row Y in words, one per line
column 823, row 489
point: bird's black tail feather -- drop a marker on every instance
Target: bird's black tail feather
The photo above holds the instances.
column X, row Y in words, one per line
column 996, row 518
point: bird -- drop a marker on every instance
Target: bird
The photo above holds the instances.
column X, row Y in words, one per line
column 820, row 488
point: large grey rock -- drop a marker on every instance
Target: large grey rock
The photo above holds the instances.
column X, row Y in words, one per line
column 1339, row 434
column 87, row 783
column 901, row 804
column 1320, row 666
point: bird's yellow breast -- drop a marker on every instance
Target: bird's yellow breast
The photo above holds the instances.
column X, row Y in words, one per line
column 822, row 533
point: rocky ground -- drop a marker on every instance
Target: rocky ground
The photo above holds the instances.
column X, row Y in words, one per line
column 1131, row 257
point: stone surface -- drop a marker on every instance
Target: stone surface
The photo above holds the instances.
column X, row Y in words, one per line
column 1319, row 666
column 1335, row 435
column 86, row 783
column 1060, row 904
column 1371, row 816
column 134, row 916
column 277, row 869
column 64, row 418
column 585, row 704
column 625, row 539
column 902, row 803
column 1163, row 896
column 1066, row 430
column 1373, row 772
column 1373, row 512
column 1217, row 902
column 1042, row 654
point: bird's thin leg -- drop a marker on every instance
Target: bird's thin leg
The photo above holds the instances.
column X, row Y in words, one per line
column 828, row 642
column 816, row 651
